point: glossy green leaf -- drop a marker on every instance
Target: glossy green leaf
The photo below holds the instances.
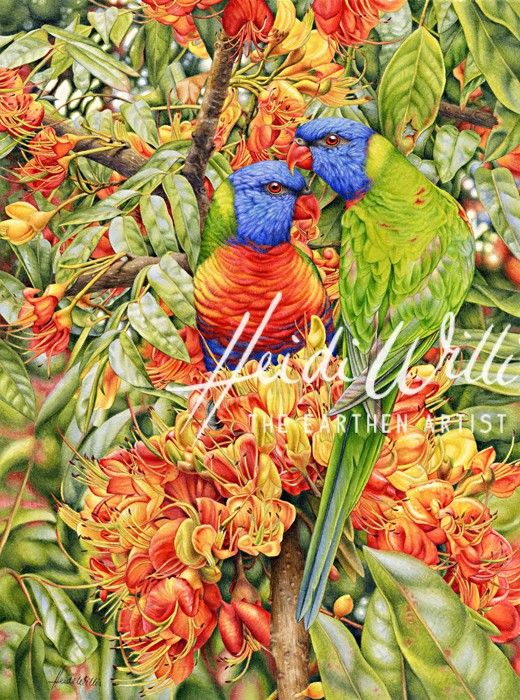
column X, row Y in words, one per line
column 209, row 26
column 80, row 76
column 60, row 396
column 149, row 320
column 449, row 653
column 140, row 119
column 99, row 63
column 7, row 144
column 136, row 52
column 158, row 224
column 505, row 136
column 498, row 192
column 393, row 28
column 380, row 648
column 495, row 51
column 453, row 149
column 482, row 293
column 36, row 260
column 344, row 673
column 102, row 211
column 411, row 89
column 103, row 21
column 29, row 659
column 15, row 387
column 79, row 250
column 26, row 49
column 473, row 78
column 158, row 39
column 502, row 344
column 125, row 236
column 121, row 26
column 62, row 622
column 451, row 37
column 185, row 212
column 174, row 286
column 126, row 361
column 506, row 12
column 11, row 297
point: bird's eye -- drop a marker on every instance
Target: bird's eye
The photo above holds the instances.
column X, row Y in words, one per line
column 274, row 188
column 332, row 140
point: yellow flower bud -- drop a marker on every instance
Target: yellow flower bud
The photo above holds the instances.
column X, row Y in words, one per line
column 317, row 337
column 343, row 605
column 279, row 397
column 298, row 445
column 460, row 449
column 313, row 690
column 16, row 231
column 269, row 482
column 20, row 210
column 263, row 430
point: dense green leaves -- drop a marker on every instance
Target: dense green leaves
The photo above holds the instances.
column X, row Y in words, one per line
column 31, row 682
column 26, row 49
column 125, row 236
column 453, row 149
column 185, row 212
column 126, row 361
column 448, row 652
column 157, row 44
column 343, row 671
column 62, row 622
column 498, row 192
column 505, row 136
column 175, row 287
column 139, row 118
column 15, row 387
column 158, row 224
column 149, row 320
column 495, row 51
column 411, row 89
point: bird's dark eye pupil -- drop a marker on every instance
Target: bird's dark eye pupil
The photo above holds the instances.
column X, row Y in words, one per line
column 274, row 187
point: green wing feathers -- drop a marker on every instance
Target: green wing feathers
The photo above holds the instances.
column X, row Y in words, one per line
column 221, row 223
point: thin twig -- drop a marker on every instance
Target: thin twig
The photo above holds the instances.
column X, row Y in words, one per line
column 16, row 505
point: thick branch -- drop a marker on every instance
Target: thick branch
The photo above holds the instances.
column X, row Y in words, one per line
column 122, row 273
column 204, row 135
column 289, row 640
column 473, row 116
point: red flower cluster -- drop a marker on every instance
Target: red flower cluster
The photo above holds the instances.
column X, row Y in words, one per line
column 350, row 21
column 248, row 20
column 426, row 497
column 177, row 15
column 20, row 114
column 48, row 166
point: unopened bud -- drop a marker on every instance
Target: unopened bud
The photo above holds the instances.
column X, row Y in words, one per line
column 343, row 605
column 334, row 574
column 313, row 690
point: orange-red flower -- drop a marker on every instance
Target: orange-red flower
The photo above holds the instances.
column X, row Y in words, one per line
column 163, row 369
column 10, row 81
column 52, row 337
column 20, row 114
column 244, row 627
column 248, row 20
column 350, row 21
column 39, row 307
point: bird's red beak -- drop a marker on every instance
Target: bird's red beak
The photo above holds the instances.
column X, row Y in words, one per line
column 300, row 156
column 307, row 210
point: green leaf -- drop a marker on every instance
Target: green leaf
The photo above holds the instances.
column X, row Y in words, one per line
column 380, row 648
column 158, row 39
column 473, row 78
column 411, row 89
column 102, row 211
column 7, row 144
column 149, row 320
column 495, row 51
column 174, row 286
column 209, row 26
column 498, row 192
column 482, row 293
column 450, row 654
column 125, row 236
column 28, row 48
column 127, row 363
column 393, row 28
column 453, row 149
column 80, row 76
column 36, row 260
column 111, row 433
column 29, row 659
column 136, row 52
column 140, row 119
column 59, row 396
column 98, row 62
column 79, row 250
column 344, row 673
column 121, row 26
column 15, row 387
column 62, row 622
column 158, row 224
column 185, row 212
column 103, row 21
column 505, row 136
column 494, row 376
column 503, row 12
column 11, row 297
column 509, row 344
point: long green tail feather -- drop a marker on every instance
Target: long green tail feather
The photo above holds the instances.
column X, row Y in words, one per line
column 354, row 454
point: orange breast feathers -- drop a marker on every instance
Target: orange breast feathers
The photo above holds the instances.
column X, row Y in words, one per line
column 237, row 279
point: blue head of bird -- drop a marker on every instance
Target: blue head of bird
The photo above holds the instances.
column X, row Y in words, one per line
column 267, row 196
column 336, row 150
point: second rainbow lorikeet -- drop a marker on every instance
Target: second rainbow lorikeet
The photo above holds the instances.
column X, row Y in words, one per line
column 247, row 259
column 407, row 261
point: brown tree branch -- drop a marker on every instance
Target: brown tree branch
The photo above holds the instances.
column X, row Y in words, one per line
column 467, row 114
column 122, row 273
column 289, row 639
column 215, row 94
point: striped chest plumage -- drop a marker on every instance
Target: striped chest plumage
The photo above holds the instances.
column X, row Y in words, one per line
column 237, row 279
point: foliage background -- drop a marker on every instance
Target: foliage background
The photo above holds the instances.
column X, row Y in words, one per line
column 440, row 79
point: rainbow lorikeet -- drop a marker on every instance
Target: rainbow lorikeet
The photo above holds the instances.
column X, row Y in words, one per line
column 247, row 259
column 407, row 260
